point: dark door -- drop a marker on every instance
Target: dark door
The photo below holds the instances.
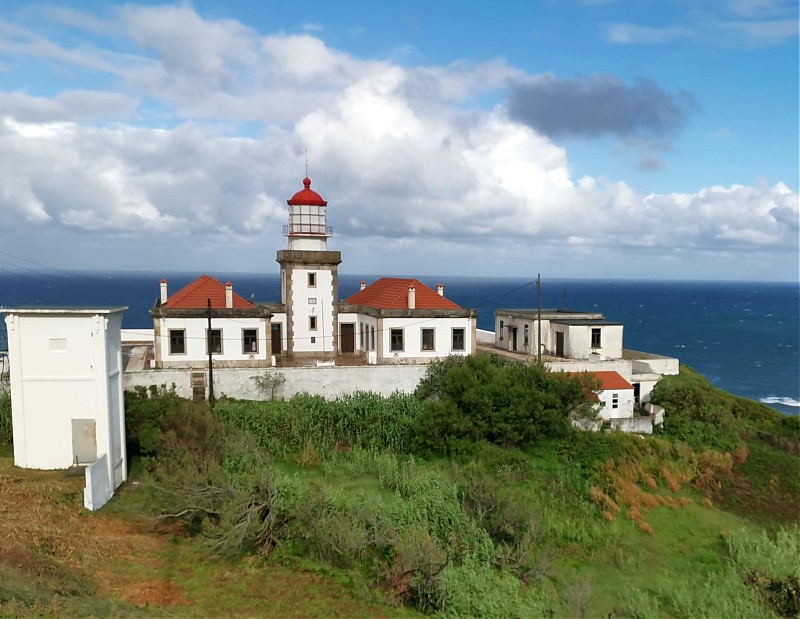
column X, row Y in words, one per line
column 559, row 344
column 637, row 388
column 277, row 339
column 514, row 338
column 347, row 336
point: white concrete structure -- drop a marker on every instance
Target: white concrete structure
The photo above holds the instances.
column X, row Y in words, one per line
column 581, row 342
column 66, row 388
column 565, row 333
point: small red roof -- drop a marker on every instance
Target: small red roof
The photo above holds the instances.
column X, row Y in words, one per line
column 609, row 380
column 392, row 293
column 196, row 295
column 307, row 196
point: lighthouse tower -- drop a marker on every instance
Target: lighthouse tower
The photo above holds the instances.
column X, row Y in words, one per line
column 309, row 279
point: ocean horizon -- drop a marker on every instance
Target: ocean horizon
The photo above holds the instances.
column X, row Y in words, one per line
column 743, row 336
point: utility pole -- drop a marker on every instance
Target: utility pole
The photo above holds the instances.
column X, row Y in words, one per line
column 210, row 364
column 539, row 317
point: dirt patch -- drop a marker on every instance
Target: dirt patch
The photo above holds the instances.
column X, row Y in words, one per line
column 153, row 593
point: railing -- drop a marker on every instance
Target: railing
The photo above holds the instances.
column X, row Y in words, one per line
column 308, row 229
column 5, row 367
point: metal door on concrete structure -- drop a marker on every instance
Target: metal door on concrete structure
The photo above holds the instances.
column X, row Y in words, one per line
column 348, row 337
column 559, row 344
column 84, row 441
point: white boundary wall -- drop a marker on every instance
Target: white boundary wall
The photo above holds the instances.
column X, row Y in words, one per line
column 98, row 484
column 330, row 382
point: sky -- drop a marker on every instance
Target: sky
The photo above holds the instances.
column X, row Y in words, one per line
column 642, row 139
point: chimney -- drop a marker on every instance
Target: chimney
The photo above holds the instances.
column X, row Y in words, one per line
column 228, row 295
column 412, row 298
column 363, row 285
column 440, row 289
column 164, row 296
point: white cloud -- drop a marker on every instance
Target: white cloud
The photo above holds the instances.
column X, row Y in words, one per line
column 408, row 168
column 632, row 33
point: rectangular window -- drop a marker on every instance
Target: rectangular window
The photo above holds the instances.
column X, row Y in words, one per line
column 458, row 339
column 596, row 338
column 249, row 341
column 526, row 335
column 372, row 338
column 361, row 335
column 396, row 340
column 312, row 280
column 614, row 400
column 177, row 342
column 427, row 339
column 312, row 323
column 214, row 341
column 501, row 330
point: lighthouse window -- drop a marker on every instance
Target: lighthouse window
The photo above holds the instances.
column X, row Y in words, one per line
column 396, row 341
column 312, row 280
column 458, row 339
column 312, row 323
column 526, row 338
column 427, row 339
column 177, row 342
column 596, row 342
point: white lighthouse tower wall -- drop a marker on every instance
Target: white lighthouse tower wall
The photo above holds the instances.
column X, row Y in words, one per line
column 312, row 310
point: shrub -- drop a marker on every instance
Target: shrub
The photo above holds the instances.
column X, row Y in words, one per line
column 503, row 403
column 6, row 429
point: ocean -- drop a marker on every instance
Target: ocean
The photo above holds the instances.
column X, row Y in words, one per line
column 743, row 336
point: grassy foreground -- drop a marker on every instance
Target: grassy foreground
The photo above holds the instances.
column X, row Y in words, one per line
column 372, row 506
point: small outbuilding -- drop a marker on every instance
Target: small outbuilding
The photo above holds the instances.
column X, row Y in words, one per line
column 66, row 390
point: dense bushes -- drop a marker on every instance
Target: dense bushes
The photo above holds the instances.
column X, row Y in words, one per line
column 356, row 420
column 487, row 399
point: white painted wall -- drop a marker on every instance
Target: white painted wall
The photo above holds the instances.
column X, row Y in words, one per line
column 312, row 301
column 232, row 339
column 329, row 381
column 507, row 343
column 578, row 341
column 624, row 403
column 65, row 366
column 412, row 337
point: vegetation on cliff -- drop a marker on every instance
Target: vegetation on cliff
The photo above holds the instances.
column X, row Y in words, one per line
column 477, row 497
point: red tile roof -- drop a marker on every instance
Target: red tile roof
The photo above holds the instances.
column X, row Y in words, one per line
column 609, row 380
column 392, row 293
column 196, row 295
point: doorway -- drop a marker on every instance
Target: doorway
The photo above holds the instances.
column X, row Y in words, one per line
column 347, row 336
column 277, row 339
column 513, row 338
column 559, row 343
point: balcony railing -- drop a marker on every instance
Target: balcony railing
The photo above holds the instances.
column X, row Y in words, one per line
column 307, row 230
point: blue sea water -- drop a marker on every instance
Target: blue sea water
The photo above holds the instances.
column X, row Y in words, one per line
column 744, row 337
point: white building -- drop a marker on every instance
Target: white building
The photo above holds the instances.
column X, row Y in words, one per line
column 400, row 320
column 575, row 341
column 565, row 333
column 66, row 388
column 237, row 335
column 614, row 397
